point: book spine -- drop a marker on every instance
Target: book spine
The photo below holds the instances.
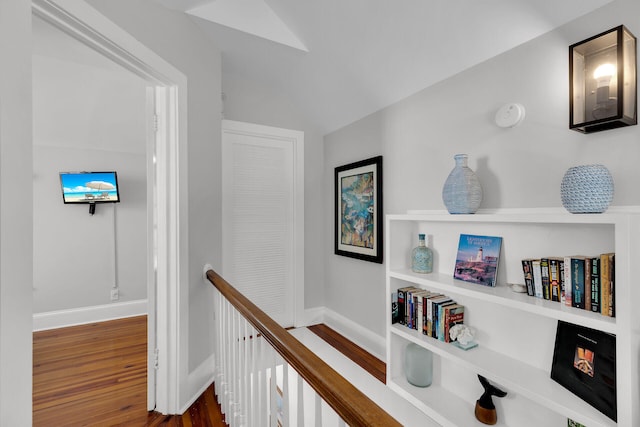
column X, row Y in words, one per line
column 537, row 278
column 456, row 317
column 612, row 286
column 394, row 307
column 577, row 282
column 436, row 313
column 544, row 271
column 528, row 276
column 418, row 298
column 595, row 285
column 429, row 325
column 425, row 305
column 605, row 286
column 409, row 316
column 554, row 279
column 441, row 322
column 401, row 306
column 587, row 284
column 568, row 294
column 562, row 277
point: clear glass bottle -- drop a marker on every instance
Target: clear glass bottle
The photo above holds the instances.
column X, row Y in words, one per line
column 418, row 365
column 422, row 257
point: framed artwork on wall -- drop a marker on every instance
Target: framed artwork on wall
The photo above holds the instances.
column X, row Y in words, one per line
column 358, row 210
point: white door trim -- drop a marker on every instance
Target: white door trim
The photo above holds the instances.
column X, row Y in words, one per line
column 297, row 137
column 87, row 25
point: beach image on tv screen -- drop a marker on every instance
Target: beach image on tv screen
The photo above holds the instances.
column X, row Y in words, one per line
column 89, row 187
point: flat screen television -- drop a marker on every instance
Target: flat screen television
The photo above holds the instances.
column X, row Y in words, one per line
column 89, row 187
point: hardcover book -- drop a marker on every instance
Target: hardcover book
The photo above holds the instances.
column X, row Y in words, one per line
column 427, row 307
column 432, row 314
column 546, row 284
column 577, row 282
column 394, row 308
column 605, row 283
column 584, row 362
column 595, row 284
column 477, row 259
column 527, row 270
column 537, row 278
column 453, row 315
column 555, row 278
column 568, row 291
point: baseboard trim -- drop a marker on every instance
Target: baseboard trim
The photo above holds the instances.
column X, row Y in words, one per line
column 365, row 338
column 84, row 315
column 199, row 380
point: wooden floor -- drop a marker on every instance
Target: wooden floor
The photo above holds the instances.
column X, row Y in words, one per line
column 96, row 375
column 358, row 355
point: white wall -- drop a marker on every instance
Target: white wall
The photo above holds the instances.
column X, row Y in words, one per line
column 253, row 102
column 176, row 39
column 518, row 167
column 88, row 114
column 15, row 214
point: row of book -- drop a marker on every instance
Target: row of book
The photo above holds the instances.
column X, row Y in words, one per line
column 432, row 313
column 586, row 282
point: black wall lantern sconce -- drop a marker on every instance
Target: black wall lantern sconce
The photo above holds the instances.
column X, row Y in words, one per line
column 602, row 82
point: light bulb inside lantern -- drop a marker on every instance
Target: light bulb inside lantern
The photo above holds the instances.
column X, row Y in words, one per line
column 603, row 75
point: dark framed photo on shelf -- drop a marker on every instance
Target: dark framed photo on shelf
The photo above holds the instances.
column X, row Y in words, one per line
column 584, row 362
column 358, row 210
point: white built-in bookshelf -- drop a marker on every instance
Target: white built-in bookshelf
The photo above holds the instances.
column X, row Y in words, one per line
column 515, row 332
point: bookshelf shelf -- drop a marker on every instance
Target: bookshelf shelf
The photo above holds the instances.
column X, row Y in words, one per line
column 516, row 332
column 457, row 412
column 502, row 295
column 518, row 377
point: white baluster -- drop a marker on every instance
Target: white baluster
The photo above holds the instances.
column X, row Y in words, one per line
column 273, row 395
column 249, row 374
column 318, row 411
column 285, row 394
column 300, row 402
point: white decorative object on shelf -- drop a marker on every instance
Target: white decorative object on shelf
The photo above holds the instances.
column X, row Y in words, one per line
column 587, row 189
column 462, row 336
column 510, row 115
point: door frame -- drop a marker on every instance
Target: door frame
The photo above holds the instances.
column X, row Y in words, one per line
column 167, row 179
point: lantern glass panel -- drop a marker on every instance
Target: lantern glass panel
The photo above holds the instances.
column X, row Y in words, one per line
column 603, row 81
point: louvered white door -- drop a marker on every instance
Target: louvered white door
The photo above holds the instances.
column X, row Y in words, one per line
column 262, row 234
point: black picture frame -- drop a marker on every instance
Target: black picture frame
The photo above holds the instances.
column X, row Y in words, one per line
column 358, row 210
column 584, row 362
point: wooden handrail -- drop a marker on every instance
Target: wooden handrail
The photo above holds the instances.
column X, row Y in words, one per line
column 350, row 404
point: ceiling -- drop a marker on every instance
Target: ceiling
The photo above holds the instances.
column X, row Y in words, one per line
column 340, row 60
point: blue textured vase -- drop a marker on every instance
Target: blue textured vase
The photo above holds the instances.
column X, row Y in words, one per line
column 422, row 257
column 462, row 192
column 587, row 189
column 418, row 365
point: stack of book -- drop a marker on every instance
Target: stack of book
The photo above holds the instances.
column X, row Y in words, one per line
column 432, row 313
column 586, row 282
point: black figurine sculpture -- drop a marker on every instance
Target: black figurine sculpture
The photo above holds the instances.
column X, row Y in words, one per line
column 485, row 409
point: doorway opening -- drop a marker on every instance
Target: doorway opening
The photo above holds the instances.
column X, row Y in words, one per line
column 165, row 155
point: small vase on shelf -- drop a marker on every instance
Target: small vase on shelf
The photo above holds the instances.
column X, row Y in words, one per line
column 422, row 257
column 586, row 189
column 462, row 192
column 418, row 365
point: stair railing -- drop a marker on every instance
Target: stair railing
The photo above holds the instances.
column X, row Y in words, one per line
column 266, row 377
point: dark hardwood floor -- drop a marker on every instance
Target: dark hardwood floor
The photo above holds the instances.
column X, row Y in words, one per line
column 357, row 354
column 96, row 375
